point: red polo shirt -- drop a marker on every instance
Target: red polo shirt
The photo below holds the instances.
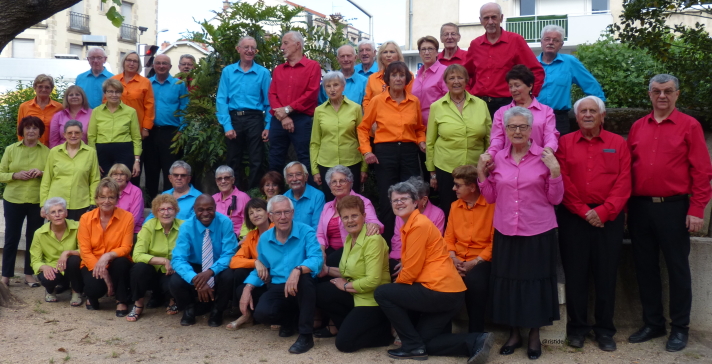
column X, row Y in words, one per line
column 459, row 57
column 296, row 86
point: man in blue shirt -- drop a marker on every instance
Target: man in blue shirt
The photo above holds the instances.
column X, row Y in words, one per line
column 562, row 70
column 205, row 245
column 243, row 111
column 355, row 88
column 308, row 201
column 367, row 54
column 292, row 256
column 183, row 191
column 171, row 98
column 91, row 81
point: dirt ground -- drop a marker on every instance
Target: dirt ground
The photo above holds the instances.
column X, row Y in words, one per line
column 41, row 332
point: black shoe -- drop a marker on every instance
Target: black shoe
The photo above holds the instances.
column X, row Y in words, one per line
column 324, row 332
column 121, row 313
column 533, row 354
column 303, row 344
column 216, row 318
column 188, row 316
column 286, row 331
column 606, row 343
column 676, row 342
column 92, row 304
column 154, row 303
column 417, row 354
column 509, row 349
column 575, row 341
column 482, row 348
column 645, row 334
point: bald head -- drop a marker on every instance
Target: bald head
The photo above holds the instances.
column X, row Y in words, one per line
column 491, row 18
column 162, row 65
column 204, row 209
column 346, row 56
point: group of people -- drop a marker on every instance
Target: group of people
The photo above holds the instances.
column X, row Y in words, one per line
column 487, row 129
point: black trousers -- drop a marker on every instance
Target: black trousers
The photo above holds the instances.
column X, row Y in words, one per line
column 120, row 273
column 434, row 324
column 109, row 154
column 656, row 227
column 396, row 163
column 356, row 186
column 563, row 123
column 279, row 140
column 359, row 327
column 145, row 277
column 72, row 276
column 445, row 193
column 186, row 295
column 585, row 248
column 15, row 214
column 76, row 214
column 494, row 103
column 275, row 309
column 239, row 276
column 477, row 295
column 248, row 129
column 157, row 157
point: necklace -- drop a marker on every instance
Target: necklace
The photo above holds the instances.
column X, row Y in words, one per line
column 458, row 103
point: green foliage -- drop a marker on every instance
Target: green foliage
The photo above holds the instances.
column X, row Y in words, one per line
column 113, row 14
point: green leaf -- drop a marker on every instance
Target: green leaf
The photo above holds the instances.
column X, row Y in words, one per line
column 114, row 16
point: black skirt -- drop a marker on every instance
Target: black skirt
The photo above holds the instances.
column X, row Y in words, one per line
column 523, row 280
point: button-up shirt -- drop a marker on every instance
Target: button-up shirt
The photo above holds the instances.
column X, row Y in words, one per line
column 18, row 157
column 330, row 210
column 300, row 248
column 470, row 231
column 30, row 108
column 189, row 246
column 359, row 69
column 365, row 265
column 376, row 86
column 296, row 86
column 543, row 128
column 131, row 200
column 46, row 249
column 333, row 138
column 237, row 215
column 169, row 101
column 488, row 64
column 454, row 139
column 73, row 179
column 307, row 208
column 355, row 89
column 92, row 86
column 119, row 126
column 152, row 242
column 138, row 94
column 459, row 57
column 56, row 125
column 525, row 193
column 670, row 158
column 563, row 71
column 397, row 122
column 432, row 212
column 240, row 90
column 429, row 86
column 185, row 203
column 95, row 241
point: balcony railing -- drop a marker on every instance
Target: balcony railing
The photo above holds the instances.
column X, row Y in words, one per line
column 129, row 33
column 529, row 27
column 79, row 22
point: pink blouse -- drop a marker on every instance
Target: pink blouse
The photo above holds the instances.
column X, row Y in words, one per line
column 56, row 125
column 237, row 215
column 432, row 212
column 328, row 212
column 333, row 233
column 543, row 128
column 131, row 200
column 429, row 87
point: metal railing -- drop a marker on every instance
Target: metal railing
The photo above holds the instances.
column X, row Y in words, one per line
column 529, row 27
column 129, row 33
column 79, row 22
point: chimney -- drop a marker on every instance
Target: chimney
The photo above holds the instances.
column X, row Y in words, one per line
column 226, row 5
column 164, row 45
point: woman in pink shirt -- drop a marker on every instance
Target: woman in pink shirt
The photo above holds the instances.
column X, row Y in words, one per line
column 428, row 84
column 76, row 107
column 525, row 183
column 130, row 196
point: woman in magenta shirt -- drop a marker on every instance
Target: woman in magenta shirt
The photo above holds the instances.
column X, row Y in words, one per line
column 130, row 196
column 76, row 107
column 429, row 85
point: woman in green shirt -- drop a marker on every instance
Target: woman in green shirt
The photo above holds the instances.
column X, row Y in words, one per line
column 22, row 168
column 55, row 255
column 348, row 296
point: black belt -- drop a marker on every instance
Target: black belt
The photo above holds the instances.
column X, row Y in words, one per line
column 245, row 112
column 495, row 99
column 561, row 112
column 661, row 199
column 168, row 127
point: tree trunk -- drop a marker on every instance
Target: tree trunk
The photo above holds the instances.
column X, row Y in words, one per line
column 18, row 15
column 7, row 299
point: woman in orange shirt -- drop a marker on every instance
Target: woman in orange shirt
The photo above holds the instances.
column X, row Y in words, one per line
column 469, row 240
column 41, row 106
column 105, row 239
column 388, row 53
column 138, row 92
column 428, row 283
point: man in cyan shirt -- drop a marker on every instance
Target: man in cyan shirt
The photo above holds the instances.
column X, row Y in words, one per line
column 308, row 201
column 355, row 88
column 92, row 80
column 367, row 54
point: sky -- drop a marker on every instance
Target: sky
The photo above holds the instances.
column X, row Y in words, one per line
column 388, row 16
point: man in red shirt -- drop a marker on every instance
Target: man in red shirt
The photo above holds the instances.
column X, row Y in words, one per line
column 492, row 55
column 451, row 54
column 595, row 165
column 671, row 172
column 293, row 97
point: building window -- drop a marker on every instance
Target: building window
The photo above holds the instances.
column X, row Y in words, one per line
column 598, row 6
column 78, row 7
column 23, row 48
column 127, row 12
column 527, row 7
column 76, row 49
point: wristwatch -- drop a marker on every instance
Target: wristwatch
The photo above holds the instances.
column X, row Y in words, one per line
column 288, row 109
column 299, row 267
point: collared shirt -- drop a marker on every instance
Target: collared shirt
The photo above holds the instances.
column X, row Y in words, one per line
column 561, row 73
column 595, row 171
column 454, row 139
column 169, row 100
column 46, row 248
column 543, row 128
column 18, row 157
column 185, row 203
column 189, row 246
column 359, row 69
column 153, row 242
column 118, row 127
column 73, row 179
column 355, row 89
column 432, row 212
column 333, row 138
column 296, row 86
column 459, row 57
column 425, row 258
column 308, row 208
column 237, row 215
column 376, row 86
column 240, row 90
column 488, row 64
column 92, row 86
column 300, row 248
column 525, row 193
column 670, row 158
column 365, row 265
column 131, row 200
column 138, row 94
column 429, row 86
column 30, row 108
column 395, row 122
column 56, row 125
column 470, row 231
column 247, row 252
column 95, row 241
column 330, row 210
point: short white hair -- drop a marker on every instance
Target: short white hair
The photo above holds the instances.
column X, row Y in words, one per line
column 277, row 199
column 553, row 28
column 334, row 75
column 247, row 37
column 96, row 49
column 601, row 105
column 346, row 45
column 297, row 36
column 292, row 164
column 518, row 111
column 180, row 164
column 54, row 201
column 369, row 42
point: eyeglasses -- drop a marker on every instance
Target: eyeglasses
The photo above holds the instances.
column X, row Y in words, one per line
column 131, row 61
column 666, row 92
column 112, row 92
column 428, row 50
column 161, row 63
column 106, row 198
column 166, row 210
column 523, row 127
column 92, row 59
column 281, row 213
column 117, row 175
column 295, row 175
column 449, row 34
column 336, row 182
column 250, row 49
column 185, row 64
column 179, row 175
column 223, row 179
column 400, row 200
column 457, row 185
column 554, row 40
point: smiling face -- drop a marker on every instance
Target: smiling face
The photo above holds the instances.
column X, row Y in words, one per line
column 186, row 65
column 106, row 200
column 428, row 53
column 204, row 209
column 56, row 215
column 353, row 220
column 366, row 53
column 389, row 55
column 75, row 99
column 113, row 96
column 456, row 83
column 663, row 96
column 258, row 216
column 449, row 36
column 521, row 92
column 43, row 90
column 162, row 64
column 271, row 189
column 73, row 135
column 340, row 185
column 247, row 50
column 121, row 179
column 225, row 182
column 551, row 43
column 514, row 130
column 589, row 117
column 491, row 18
column 131, row 63
column 281, row 216
column 334, row 89
column 166, row 213
column 296, row 178
column 346, row 58
column 403, row 204
column 96, row 60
